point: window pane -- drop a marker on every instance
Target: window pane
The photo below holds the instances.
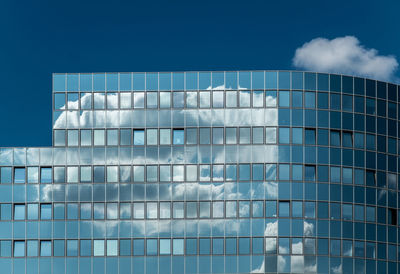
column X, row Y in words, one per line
column 45, row 248
column 19, row 175
column 46, row 175
column 19, row 212
column 178, row 137
column 98, row 247
column 19, row 249
column 45, row 211
column 138, row 137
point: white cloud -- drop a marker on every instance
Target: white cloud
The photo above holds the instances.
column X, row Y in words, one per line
column 345, row 55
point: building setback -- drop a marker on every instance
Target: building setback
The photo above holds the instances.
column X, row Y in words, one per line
column 207, row 172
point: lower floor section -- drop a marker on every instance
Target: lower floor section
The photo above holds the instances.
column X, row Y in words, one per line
column 195, row 264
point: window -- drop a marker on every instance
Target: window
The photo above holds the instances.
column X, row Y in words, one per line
column 310, row 136
column 19, row 175
column 32, row 248
column 165, row 246
column 72, row 211
column 178, row 246
column 347, row 139
column 45, row 248
column 335, row 138
column 98, row 247
column 138, row 137
column 86, row 137
column 138, row 247
column 86, row 248
column 125, row 247
column 270, row 98
column 73, row 138
column 59, row 248
column 230, row 135
column 370, row 177
column 98, row 137
column 151, row 247
column 204, row 99
column 5, row 173
column 284, row 135
column 33, row 212
column 112, row 247
column 191, row 99
column 270, row 135
column 284, row 209
column 218, row 136
column 19, row 249
column 165, row 136
column 244, row 135
column 151, row 136
column 33, row 174
column 45, row 211
column 46, row 175
column 204, row 136
column 178, row 136
column 258, row 135
column 19, row 212
column 231, row 99
column 112, row 137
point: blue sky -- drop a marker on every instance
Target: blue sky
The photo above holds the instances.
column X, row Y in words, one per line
column 41, row 37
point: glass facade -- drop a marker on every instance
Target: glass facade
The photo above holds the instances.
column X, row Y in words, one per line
column 207, row 172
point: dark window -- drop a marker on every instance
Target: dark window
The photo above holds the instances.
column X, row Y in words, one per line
column 347, row 139
column 370, row 178
column 335, row 138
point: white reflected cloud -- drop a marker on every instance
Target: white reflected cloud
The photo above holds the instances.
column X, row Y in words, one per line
column 297, row 264
column 308, row 229
column 260, row 269
column 345, row 55
column 337, row 269
column 282, row 261
column 271, row 229
column 310, row 268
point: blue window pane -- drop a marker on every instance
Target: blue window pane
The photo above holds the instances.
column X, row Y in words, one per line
column 19, row 175
column 152, row 81
column 138, row 247
column 284, row 135
column 45, row 211
column 284, row 80
column 86, row 248
column 5, row 173
column 59, row 82
column 72, row 248
column 138, row 137
column 218, row 79
column 284, row 209
column 178, row 137
column 59, row 247
column 204, row 246
column 284, row 98
column 46, row 175
column 5, row 213
column 151, row 247
column 125, row 247
column 244, row 172
column 99, row 83
column 19, row 212
column 191, row 246
column 45, row 248
column 19, row 249
column 32, row 248
column 125, row 81
column 138, row 81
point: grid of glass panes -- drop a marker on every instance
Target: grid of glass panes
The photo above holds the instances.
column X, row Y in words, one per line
column 237, row 171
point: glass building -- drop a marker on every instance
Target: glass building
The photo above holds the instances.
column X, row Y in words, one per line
column 207, row 172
